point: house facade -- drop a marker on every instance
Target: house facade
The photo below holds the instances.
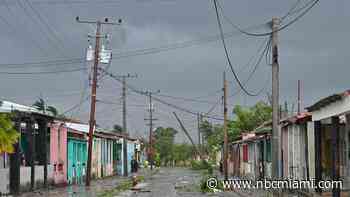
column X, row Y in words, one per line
column 331, row 135
column 51, row 151
column 294, row 146
column 250, row 156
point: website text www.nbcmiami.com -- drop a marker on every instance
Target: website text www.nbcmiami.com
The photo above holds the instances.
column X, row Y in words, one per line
column 266, row 184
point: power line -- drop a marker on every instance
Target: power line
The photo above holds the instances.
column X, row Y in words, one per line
column 50, row 29
column 45, row 62
column 227, row 55
column 55, row 2
column 13, row 29
column 157, row 99
column 144, row 51
column 292, row 9
column 185, row 99
column 77, row 105
column 307, row 9
column 43, row 72
column 29, row 15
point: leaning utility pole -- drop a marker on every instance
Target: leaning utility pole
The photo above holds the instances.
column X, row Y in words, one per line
column 275, row 101
column 92, row 121
column 151, row 119
column 188, row 135
column 125, row 131
column 225, row 129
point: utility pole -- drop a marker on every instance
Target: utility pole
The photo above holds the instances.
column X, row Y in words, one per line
column 188, row 135
column 199, row 129
column 125, row 131
column 225, row 129
column 92, row 121
column 299, row 96
column 201, row 121
column 151, row 119
column 275, row 101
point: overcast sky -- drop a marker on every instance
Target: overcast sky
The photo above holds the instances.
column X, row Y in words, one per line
column 314, row 50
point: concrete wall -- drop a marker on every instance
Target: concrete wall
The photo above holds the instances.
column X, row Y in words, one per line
column 311, row 148
column 58, row 150
column 4, row 180
column 96, row 158
column 25, row 173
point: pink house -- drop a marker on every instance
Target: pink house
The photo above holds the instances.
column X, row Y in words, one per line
column 58, row 152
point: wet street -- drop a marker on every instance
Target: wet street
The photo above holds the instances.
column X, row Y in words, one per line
column 163, row 182
column 173, row 182
column 166, row 182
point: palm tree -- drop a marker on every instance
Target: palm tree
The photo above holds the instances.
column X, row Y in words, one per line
column 41, row 106
column 8, row 135
column 53, row 110
column 117, row 128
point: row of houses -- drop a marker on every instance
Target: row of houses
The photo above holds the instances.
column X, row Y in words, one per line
column 312, row 145
column 51, row 151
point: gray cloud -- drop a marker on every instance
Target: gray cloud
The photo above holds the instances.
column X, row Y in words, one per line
column 313, row 50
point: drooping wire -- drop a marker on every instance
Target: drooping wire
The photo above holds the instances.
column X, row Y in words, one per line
column 29, row 15
column 136, row 90
column 305, row 8
column 291, row 10
column 227, row 55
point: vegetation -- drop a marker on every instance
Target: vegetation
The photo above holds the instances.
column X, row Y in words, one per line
column 249, row 118
column 117, row 128
column 8, row 134
column 246, row 120
column 123, row 186
column 202, row 165
column 41, row 105
column 182, row 153
column 167, row 152
column 164, row 144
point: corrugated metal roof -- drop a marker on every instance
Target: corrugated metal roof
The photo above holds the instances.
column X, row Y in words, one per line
column 78, row 127
column 7, row 107
column 296, row 118
column 328, row 100
column 84, row 128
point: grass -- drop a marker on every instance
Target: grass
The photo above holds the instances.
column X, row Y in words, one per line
column 123, row 186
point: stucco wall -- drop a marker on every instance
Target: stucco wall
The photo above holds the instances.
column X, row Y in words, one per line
column 4, row 181
column 58, row 150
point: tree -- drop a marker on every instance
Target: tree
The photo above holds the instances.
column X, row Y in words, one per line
column 164, row 143
column 40, row 105
column 247, row 119
column 117, row 128
column 182, row 153
column 53, row 110
column 8, row 135
column 206, row 129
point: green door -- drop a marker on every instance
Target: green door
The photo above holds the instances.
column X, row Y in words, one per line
column 77, row 156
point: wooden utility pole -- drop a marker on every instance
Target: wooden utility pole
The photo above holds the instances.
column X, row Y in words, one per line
column 225, row 129
column 275, row 101
column 299, row 96
column 92, row 121
column 125, row 131
column 151, row 119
